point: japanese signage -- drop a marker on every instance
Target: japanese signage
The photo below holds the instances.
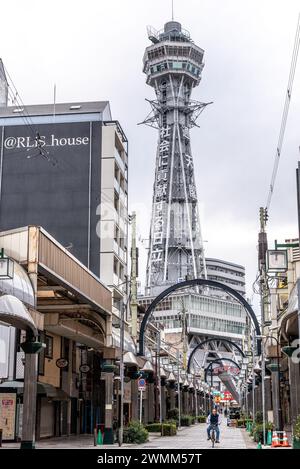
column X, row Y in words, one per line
column 8, row 415
column 161, row 192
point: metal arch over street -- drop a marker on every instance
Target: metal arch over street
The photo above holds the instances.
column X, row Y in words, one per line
column 192, row 283
column 227, row 341
column 219, row 360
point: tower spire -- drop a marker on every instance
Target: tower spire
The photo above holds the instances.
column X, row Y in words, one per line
column 172, row 10
column 173, row 65
column 3, row 86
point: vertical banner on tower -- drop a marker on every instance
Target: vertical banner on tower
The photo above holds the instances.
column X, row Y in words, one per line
column 160, row 196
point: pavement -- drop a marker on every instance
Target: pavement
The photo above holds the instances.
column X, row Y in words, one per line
column 193, row 437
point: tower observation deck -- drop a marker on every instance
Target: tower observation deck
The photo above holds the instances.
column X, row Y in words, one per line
column 173, row 65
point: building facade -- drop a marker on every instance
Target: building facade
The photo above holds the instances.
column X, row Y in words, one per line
column 281, row 342
column 65, row 168
column 227, row 273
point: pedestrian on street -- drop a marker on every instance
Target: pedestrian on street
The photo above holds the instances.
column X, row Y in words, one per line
column 214, row 420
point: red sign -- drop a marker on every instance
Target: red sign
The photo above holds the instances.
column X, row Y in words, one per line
column 227, row 396
column 233, row 370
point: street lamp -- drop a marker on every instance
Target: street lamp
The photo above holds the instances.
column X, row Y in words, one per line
column 121, row 325
column 6, row 267
column 273, row 369
column 179, row 381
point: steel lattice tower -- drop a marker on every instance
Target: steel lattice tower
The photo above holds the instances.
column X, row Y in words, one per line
column 173, row 65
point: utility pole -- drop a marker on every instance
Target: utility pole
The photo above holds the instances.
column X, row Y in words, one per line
column 133, row 277
column 178, row 385
column 122, row 327
column 159, row 379
column 298, row 211
column 253, row 378
column 185, row 338
column 262, row 250
column 196, row 400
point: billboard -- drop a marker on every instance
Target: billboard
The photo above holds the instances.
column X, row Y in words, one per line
column 50, row 176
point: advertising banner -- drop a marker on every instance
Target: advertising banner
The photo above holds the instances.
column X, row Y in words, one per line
column 8, row 415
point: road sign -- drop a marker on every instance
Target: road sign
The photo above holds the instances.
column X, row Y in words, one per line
column 142, row 384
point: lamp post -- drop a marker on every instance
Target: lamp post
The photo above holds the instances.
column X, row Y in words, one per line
column 122, row 327
column 159, row 379
column 178, row 386
column 263, row 393
column 253, row 379
column 279, row 410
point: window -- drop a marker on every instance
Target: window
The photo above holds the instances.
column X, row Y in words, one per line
column 117, row 235
column 116, row 270
column 116, row 202
column 117, row 171
column 49, row 346
column 121, row 272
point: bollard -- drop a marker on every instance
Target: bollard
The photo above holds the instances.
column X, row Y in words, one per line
column 269, row 438
column 99, row 439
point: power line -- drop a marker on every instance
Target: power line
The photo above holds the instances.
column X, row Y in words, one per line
column 285, row 112
column 25, row 116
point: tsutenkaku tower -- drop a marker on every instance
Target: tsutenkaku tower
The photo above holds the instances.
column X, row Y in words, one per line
column 173, row 65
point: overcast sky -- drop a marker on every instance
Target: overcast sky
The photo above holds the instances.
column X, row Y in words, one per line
column 93, row 50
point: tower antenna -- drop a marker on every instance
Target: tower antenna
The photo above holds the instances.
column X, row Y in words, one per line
column 172, row 10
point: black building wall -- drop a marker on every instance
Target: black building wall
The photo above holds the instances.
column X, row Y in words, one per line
column 56, row 186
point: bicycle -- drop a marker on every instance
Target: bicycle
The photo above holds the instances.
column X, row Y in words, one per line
column 213, row 435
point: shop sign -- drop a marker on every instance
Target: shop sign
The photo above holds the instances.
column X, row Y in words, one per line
column 84, row 368
column 8, row 415
column 127, row 393
column 62, row 362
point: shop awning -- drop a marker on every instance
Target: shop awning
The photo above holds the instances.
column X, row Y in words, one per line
column 148, row 366
column 129, row 345
column 48, row 390
column 15, row 313
column 130, row 359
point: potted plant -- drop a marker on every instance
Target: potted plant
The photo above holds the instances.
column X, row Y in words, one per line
column 296, row 434
column 135, row 432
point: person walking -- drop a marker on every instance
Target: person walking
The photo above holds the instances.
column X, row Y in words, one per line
column 214, row 420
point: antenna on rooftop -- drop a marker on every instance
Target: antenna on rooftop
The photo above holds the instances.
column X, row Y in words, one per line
column 54, row 101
